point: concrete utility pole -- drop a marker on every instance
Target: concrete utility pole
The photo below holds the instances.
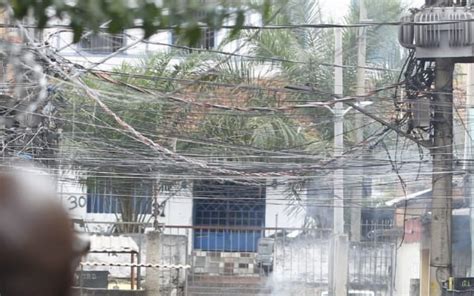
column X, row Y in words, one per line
column 469, row 151
column 338, row 137
column 442, row 178
column 340, row 246
column 357, row 191
column 434, row 43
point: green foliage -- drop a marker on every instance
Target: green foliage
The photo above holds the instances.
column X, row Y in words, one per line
column 300, row 55
column 184, row 16
column 383, row 50
column 94, row 135
column 256, row 131
column 271, row 133
column 278, row 133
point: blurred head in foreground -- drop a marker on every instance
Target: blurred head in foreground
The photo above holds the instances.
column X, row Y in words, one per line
column 38, row 247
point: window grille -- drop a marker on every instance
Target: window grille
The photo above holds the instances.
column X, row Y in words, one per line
column 240, row 208
column 207, row 41
column 102, row 43
column 103, row 198
column 208, row 35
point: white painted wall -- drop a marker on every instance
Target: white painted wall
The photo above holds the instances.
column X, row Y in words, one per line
column 73, row 195
column 63, row 41
column 60, row 39
column 277, row 212
column 178, row 210
column 408, row 267
column 74, row 199
column 179, row 207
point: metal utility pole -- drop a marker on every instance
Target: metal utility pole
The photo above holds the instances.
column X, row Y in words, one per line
column 340, row 245
column 442, row 178
column 357, row 191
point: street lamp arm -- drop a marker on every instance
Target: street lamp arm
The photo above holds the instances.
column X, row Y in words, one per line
column 345, row 111
column 330, row 109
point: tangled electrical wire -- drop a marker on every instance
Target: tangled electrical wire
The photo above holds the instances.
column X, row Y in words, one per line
column 419, row 79
column 27, row 107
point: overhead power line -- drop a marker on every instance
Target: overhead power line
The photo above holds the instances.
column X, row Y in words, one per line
column 275, row 27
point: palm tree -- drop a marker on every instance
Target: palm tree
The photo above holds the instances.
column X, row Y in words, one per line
column 254, row 139
column 102, row 149
column 303, row 55
column 383, row 50
column 116, row 167
column 267, row 133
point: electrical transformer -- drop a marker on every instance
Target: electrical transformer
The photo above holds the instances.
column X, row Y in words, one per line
column 451, row 34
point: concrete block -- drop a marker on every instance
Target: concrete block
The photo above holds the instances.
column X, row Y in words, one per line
column 213, row 267
column 200, row 261
column 228, row 268
column 152, row 281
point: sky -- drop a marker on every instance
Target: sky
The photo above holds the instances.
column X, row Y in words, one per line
column 338, row 8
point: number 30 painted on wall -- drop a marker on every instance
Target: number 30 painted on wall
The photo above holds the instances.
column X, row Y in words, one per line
column 76, row 202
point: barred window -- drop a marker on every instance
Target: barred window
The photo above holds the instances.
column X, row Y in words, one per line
column 104, row 198
column 231, row 205
column 207, row 40
column 102, row 43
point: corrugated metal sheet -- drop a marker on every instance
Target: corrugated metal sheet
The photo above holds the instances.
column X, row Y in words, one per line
column 112, row 249
column 113, row 244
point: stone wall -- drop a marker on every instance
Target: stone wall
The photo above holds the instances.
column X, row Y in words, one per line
column 224, row 263
column 105, row 292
